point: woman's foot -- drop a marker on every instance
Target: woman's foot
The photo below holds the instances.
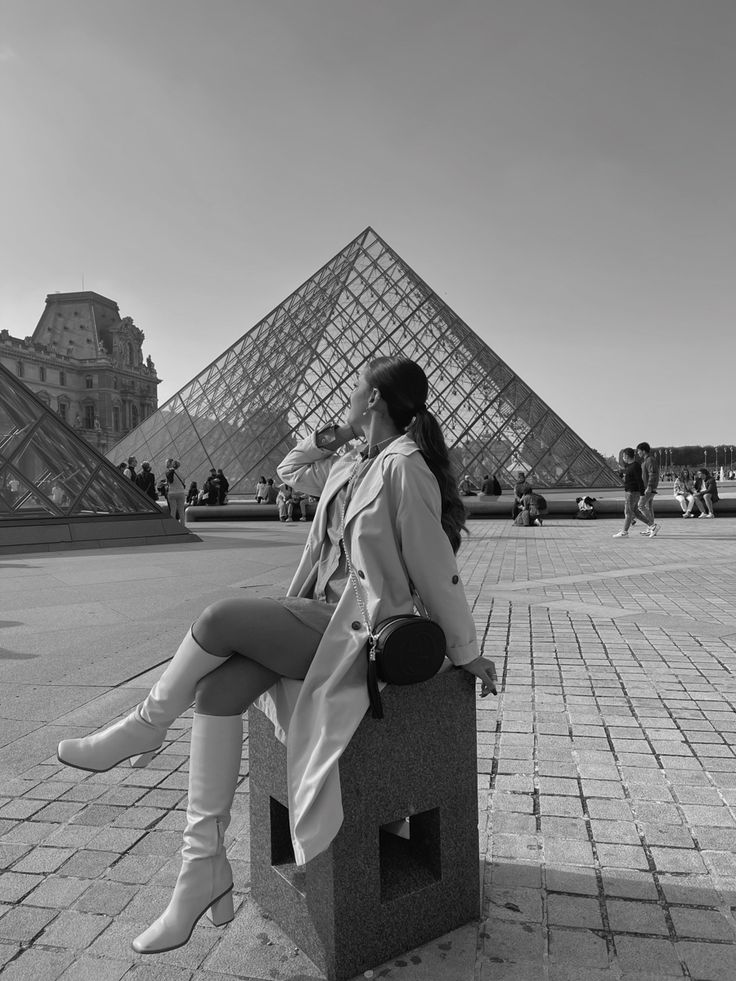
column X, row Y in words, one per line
column 205, row 885
column 130, row 738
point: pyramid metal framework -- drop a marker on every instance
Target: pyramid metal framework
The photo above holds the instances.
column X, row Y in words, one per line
column 295, row 369
column 48, row 471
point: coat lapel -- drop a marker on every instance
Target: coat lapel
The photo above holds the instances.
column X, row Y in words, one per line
column 373, row 481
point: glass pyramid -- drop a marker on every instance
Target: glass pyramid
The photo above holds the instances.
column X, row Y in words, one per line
column 48, row 471
column 294, row 371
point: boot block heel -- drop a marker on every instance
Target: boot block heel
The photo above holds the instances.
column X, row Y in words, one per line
column 222, row 910
column 143, row 760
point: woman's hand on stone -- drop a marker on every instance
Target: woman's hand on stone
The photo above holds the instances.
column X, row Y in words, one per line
column 484, row 669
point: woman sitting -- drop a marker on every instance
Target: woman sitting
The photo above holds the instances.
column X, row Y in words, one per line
column 389, row 508
column 705, row 495
column 683, row 491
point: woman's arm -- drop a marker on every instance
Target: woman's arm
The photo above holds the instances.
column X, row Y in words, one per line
column 431, row 564
column 308, row 465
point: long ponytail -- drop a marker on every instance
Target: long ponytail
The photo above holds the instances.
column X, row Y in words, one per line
column 404, row 388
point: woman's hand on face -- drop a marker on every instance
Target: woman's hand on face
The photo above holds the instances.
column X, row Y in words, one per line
column 485, row 669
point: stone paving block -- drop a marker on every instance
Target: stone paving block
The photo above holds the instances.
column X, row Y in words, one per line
column 57, row 892
column 558, row 806
column 40, row 965
column 568, row 850
column 43, row 860
column 703, row 924
column 10, row 853
column 95, row 969
column 637, row 956
column 636, row 917
column 75, row 930
column 15, row 885
column 572, row 879
column 708, row 961
column 516, row 905
column 22, row 923
column 523, row 847
column 609, row 810
column 622, row 856
column 581, row 948
column 137, row 869
column 720, row 863
column 513, row 875
column 564, row 827
column 629, row 884
column 677, row 860
column 29, row 832
column 574, row 911
column 105, row 897
column 673, row 835
column 89, row 864
column 622, row 832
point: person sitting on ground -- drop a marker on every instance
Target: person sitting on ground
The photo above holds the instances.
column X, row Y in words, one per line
column 586, row 508
column 490, row 487
column 467, row 487
column 531, row 508
column 706, row 494
column 271, row 491
column 683, row 490
column 633, row 490
column 521, row 487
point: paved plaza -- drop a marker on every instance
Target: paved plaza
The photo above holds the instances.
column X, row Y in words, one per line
column 606, row 776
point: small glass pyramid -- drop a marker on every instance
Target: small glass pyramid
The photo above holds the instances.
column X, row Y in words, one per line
column 294, row 371
column 48, row 471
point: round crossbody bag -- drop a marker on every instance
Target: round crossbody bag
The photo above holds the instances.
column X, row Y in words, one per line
column 403, row 649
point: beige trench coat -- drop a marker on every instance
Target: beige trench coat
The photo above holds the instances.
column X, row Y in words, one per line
column 397, row 504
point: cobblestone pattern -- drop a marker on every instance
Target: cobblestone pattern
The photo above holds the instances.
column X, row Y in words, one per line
column 606, row 781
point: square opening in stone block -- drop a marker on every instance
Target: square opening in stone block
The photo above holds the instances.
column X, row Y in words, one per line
column 410, row 854
column 283, row 860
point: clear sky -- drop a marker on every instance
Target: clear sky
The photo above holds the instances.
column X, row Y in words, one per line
column 561, row 172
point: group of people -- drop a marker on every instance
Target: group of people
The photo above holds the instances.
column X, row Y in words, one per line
column 292, row 506
column 698, row 490
column 172, row 485
column 528, row 506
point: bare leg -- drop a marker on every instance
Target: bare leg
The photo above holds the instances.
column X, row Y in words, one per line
column 262, row 642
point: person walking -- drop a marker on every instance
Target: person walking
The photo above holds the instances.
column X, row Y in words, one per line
column 177, row 490
column 391, row 505
column 650, row 477
column 633, row 491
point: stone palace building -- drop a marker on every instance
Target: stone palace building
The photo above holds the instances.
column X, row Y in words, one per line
column 86, row 363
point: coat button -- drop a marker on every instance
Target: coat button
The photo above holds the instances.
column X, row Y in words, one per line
column 455, row 580
column 361, row 573
column 355, row 624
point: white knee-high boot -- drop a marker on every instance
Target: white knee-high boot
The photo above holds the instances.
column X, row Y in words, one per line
column 206, row 880
column 140, row 734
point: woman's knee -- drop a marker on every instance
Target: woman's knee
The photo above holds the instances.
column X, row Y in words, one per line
column 211, row 628
column 231, row 688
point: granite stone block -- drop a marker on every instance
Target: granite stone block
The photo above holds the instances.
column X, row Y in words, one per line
column 377, row 891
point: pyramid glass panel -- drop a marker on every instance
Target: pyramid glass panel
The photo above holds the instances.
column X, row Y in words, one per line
column 295, row 369
column 48, row 471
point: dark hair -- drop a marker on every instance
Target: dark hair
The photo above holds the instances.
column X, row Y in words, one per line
column 644, row 446
column 628, row 451
column 404, row 388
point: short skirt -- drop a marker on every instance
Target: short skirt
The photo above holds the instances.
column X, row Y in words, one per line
column 312, row 613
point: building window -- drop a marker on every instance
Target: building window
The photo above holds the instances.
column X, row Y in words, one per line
column 88, row 381
column 42, row 373
column 116, row 418
column 62, row 378
column 20, row 369
column 89, row 417
column 62, row 410
column 133, row 416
